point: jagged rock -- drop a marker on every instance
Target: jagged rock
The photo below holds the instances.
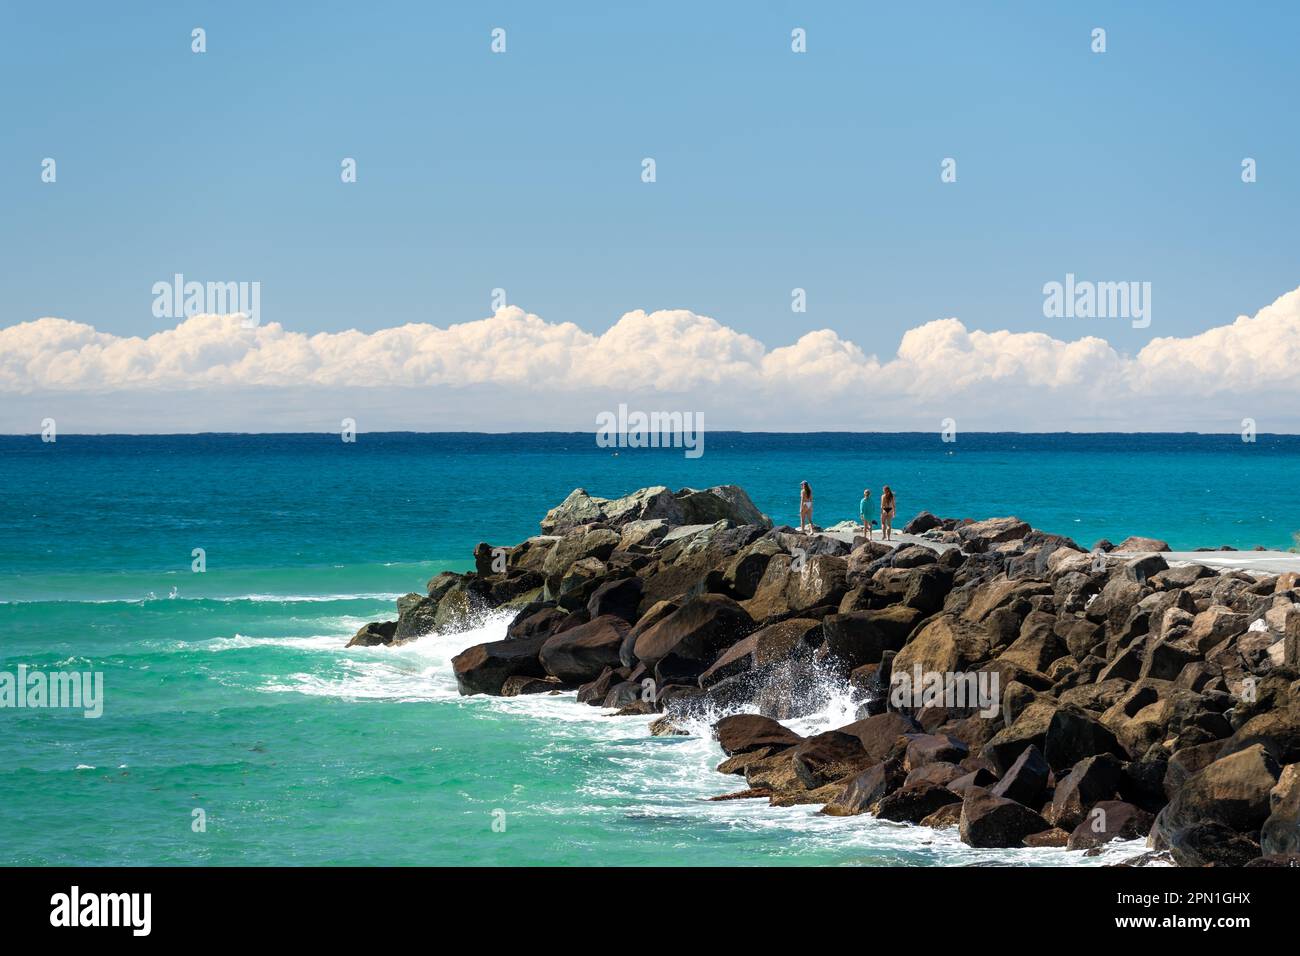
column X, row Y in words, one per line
column 1025, row 780
column 994, row 530
column 862, row 562
column 581, row 653
column 943, row 645
column 1181, row 576
column 1233, row 791
column 743, row 733
column 914, row 802
column 1110, row 820
column 418, row 616
column 883, row 735
column 827, row 757
column 595, row 691
column 721, row 502
column 1030, row 728
column 1136, row 543
column 1209, row 843
column 1053, row 837
column 519, row 685
column 867, row 788
column 945, row 818
column 483, row 668
column 1214, row 625
column 923, row 749
column 458, row 610
column 441, row 583
column 979, row 777
column 1037, row 645
column 695, row 633
column 991, row 821
column 774, row 644
column 1090, row 781
column 1281, row 831
column 854, row 639
column 939, row 772
column 374, row 634
column 744, row 571
column 538, row 619
column 1073, row 735
column 922, row 523
column 618, row 597
column 1144, row 567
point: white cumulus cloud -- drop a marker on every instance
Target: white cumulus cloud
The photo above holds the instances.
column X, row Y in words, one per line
column 524, row 371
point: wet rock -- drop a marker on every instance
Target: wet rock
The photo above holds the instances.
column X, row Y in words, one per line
column 581, row 653
column 914, row 802
column 1110, row 820
column 991, row 821
column 1026, row 780
column 743, row 733
column 828, row 757
column 374, row 634
column 867, row 788
column 483, row 668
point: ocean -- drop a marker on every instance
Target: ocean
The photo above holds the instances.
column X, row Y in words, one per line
column 238, row 730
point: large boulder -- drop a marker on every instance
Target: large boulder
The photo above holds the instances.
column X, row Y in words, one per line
column 794, row 584
column 1233, row 791
column 866, row 789
column 1136, row 543
column 720, row 503
column 1073, row 735
column 943, row 645
column 1281, row 831
column 1210, row 843
column 854, row 639
column 1110, row 820
column 993, row 531
column 695, row 634
column 620, row 597
column 418, row 616
column 766, row 647
column 1026, row 780
column 580, row 508
column 1089, row 782
column 883, row 735
column 745, row 733
column 376, row 633
column 598, row 543
column 925, row 749
column 1028, row 729
column 914, row 802
column 988, row 820
column 827, row 757
column 483, row 668
column 581, row 653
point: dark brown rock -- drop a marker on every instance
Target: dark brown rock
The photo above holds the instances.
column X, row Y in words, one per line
column 992, row 821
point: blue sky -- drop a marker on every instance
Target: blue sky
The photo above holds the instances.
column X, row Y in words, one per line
column 775, row 170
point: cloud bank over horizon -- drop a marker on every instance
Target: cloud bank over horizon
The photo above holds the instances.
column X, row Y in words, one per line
column 517, row 371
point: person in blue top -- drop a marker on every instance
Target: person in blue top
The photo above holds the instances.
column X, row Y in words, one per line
column 864, row 510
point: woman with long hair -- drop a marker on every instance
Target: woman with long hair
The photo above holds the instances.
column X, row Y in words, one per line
column 805, row 506
column 887, row 509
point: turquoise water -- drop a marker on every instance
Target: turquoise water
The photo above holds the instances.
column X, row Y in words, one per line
column 230, row 691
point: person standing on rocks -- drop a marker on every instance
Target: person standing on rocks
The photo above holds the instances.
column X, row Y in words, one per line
column 805, row 506
column 887, row 509
column 863, row 511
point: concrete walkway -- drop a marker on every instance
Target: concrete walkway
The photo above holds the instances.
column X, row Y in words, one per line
column 1267, row 562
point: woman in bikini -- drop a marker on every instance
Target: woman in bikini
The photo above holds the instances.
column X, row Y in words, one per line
column 805, row 506
column 887, row 509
